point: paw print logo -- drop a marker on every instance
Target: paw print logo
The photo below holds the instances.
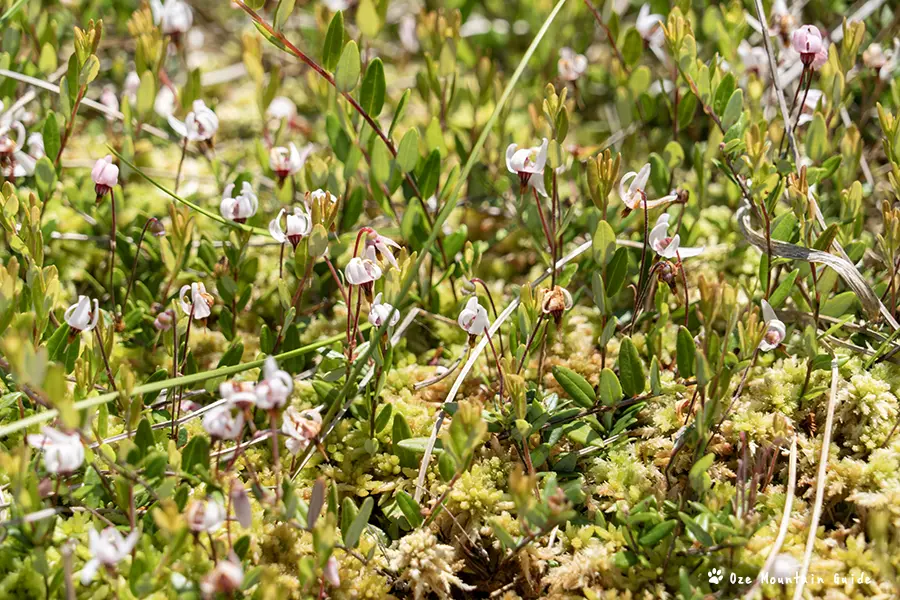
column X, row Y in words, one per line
column 715, row 576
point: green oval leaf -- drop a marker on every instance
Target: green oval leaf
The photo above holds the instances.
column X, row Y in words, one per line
column 631, row 369
column 576, row 386
column 347, row 73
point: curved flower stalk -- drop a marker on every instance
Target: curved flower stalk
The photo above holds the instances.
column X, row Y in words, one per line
column 63, row 452
column 108, row 548
column 241, row 207
column 775, row 329
column 474, row 320
column 174, row 17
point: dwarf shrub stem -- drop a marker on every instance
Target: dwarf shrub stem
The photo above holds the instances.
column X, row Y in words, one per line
column 137, row 254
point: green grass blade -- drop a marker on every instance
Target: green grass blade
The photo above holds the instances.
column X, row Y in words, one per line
column 184, row 380
column 212, row 215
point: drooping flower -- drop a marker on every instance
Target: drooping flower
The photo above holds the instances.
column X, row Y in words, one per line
column 240, row 502
column 287, row 161
column 528, row 164
column 108, row 548
column 81, row 316
column 363, row 270
column 241, row 207
column 298, row 225
column 282, row 108
column 380, row 312
column 473, row 318
column 649, row 26
column 221, row 423
column 880, row 60
column 205, row 515
column 239, row 393
column 783, row 569
column 105, row 176
column 556, row 301
column 225, row 580
column 200, row 125
column 820, row 58
column 775, row 329
column 634, row 195
column 174, row 17
column 275, row 388
column 807, row 40
column 383, row 245
column 63, row 452
column 301, row 427
column 669, row 247
column 331, row 573
column 571, row 65
column 200, row 301
column 14, row 162
column 164, row 320
column 755, row 58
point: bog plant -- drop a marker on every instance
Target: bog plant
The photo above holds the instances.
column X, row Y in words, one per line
column 520, row 300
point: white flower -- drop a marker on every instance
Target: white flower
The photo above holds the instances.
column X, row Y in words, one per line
column 301, row 427
column 240, row 207
column 473, row 318
column 200, row 124
column 649, row 26
column 754, row 58
column 528, row 162
column 205, row 515
column 131, row 86
column 363, row 271
column 775, row 329
column 784, row 568
column 282, row 108
column 174, row 17
column 105, row 175
column 380, row 312
column 164, row 103
column 298, row 226
column 288, row 161
column 669, row 247
column 13, row 161
column 238, row 393
column 571, row 65
column 634, row 196
column 240, row 501
column 331, row 573
column 275, row 388
column 200, row 303
column 383, row 246
column 35, row 143
column 319, row 195
column 108, row 548
column 225, row 579
column 220, row 423
column 63, row 452
column 880, row 60
column 109, row 99
column 80, row 317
